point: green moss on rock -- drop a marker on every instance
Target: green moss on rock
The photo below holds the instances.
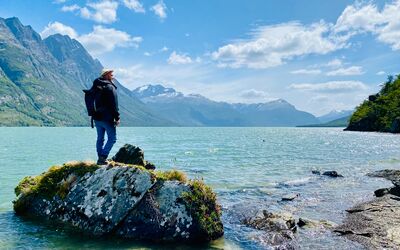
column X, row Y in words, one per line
column 55, row 181
column 202, row 204
column 171, row 175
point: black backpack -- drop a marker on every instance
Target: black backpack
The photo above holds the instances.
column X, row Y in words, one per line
column 91, row 95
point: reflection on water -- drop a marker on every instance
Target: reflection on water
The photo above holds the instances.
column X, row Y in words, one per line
column 249, row 168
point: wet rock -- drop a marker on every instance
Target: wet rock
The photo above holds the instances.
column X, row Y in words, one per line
column 389, row 174
column 374, row 224
column 392, row 175
column 317, row 172
column 130, row 154
column 290, row 197
column 149, row 165
column 279, row 228
column 381, row 192
column 333, row 174
column 307, row 223
column 123, row 200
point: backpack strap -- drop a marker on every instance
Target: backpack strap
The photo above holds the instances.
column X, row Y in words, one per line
column 91, row 122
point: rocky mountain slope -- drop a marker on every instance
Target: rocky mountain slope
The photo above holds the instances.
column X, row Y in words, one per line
column 41, row 81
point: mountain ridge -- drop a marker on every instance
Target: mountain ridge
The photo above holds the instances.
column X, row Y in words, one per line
column 197, row 110
column 42, row 81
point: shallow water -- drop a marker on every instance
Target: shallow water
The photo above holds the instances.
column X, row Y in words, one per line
column 249, row 168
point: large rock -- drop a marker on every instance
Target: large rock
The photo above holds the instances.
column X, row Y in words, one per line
column 124, row 200
column 374, row 224
column 279, row 228
column 130, row 154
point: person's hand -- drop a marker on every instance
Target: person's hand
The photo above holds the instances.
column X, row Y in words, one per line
column 117, row 122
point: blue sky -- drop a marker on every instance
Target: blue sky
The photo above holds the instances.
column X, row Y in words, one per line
column 319, row 57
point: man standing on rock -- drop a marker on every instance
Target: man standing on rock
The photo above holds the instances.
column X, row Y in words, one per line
column 106, row 117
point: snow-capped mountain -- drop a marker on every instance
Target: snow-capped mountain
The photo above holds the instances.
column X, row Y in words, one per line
column 197, row 110
column 335, row 114
column 150, row 90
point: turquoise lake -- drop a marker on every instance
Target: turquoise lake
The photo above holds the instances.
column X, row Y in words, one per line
column 249, row 168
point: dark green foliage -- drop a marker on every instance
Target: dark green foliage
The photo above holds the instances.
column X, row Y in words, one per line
column 380, row 112
column 202, row 204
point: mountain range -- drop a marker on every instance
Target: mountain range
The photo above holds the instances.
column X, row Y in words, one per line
column 197, row 110
column 41, row 82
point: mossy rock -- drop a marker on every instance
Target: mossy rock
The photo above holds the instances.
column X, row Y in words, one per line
column 62, row 193
column 55, row 181
column 202, row 203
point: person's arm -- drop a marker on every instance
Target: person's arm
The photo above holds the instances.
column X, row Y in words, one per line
column 114, row 103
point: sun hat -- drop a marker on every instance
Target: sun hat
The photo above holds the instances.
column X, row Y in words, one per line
column 106, row 71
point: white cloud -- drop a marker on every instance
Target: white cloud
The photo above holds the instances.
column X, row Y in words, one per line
column 160, row 9
column 350, row 71
column 134, row 5
column 306, row 71
column 56, row 27
column 361, row 18
column 70, row 8
column 254, row 94
column 380, row 73
column 147, row 53
column 99, row 41
column 335, row 63
column 273, row 45
column 175, row 58
column 59, row 1
column 333, row 86
column 101, row 12
column 102, row 40
column 164, row 49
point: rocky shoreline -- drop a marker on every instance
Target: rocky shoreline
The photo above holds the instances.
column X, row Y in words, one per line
column 375, row 224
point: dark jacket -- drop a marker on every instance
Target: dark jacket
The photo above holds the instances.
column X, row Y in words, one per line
column 106, row 101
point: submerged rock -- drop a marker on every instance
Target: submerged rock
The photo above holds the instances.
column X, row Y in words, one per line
column 317, row 172
column 332, row 174
column 124, row 200
column 290, row 197
column 389, row 174
column 308, row 223
column 279, row 228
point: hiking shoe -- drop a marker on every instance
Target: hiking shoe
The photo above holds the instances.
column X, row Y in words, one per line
column 102, row 160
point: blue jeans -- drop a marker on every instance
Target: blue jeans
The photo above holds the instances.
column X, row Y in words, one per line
column 103, row 127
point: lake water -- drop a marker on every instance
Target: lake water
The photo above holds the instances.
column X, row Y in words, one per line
column 249, row 168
